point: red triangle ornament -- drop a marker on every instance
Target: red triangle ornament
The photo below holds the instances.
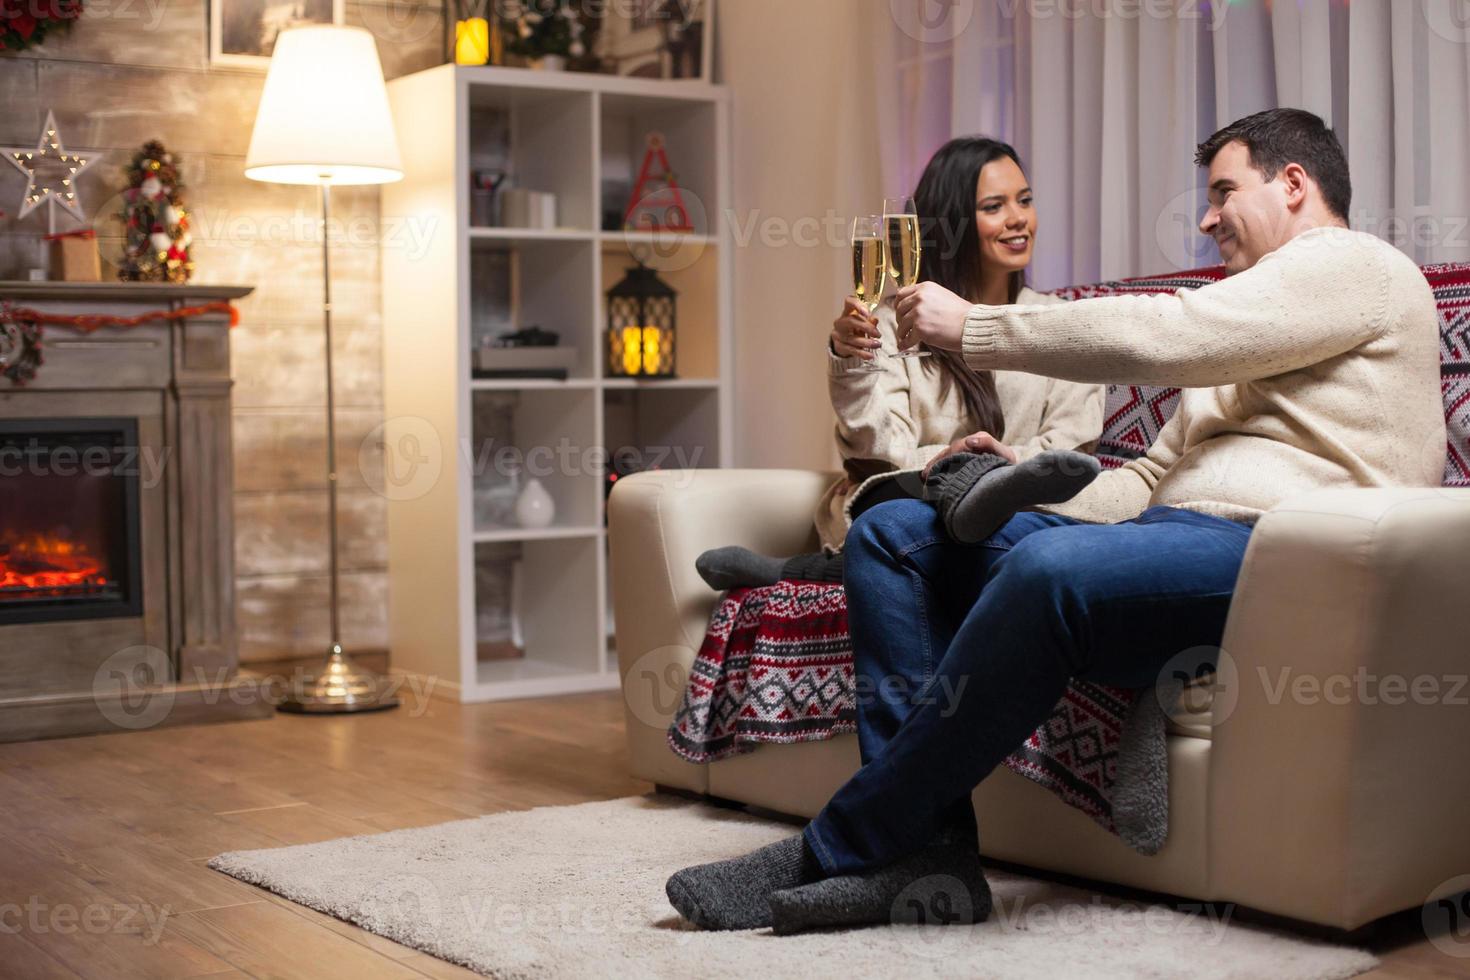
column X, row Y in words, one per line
column 657, row 203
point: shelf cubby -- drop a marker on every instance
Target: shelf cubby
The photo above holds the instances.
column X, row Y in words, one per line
column 693, row 270
column 689, row 132
column 544, row 434
column 542, row 139
column 663, row 427
column 535, row 282
column 526, row 632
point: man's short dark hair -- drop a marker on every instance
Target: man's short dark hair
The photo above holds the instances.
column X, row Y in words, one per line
column 1278, row 137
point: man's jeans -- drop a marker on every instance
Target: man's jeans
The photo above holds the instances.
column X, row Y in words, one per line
column 962, row 650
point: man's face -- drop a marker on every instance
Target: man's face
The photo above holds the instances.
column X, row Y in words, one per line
column 1248, row 216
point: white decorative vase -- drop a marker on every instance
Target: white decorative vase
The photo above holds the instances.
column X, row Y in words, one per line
column 549, row 62
column 534, row 507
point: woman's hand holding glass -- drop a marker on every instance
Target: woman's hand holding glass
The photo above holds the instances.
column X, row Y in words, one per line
column 855, row 331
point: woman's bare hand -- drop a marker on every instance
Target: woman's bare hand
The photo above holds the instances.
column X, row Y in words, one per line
column 975, row 442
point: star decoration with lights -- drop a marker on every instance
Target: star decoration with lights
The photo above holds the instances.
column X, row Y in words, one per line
column 51, row 171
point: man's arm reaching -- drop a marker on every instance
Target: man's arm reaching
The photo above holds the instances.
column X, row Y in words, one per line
column 1313, row 299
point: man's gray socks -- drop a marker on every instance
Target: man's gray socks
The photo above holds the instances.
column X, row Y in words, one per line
column 976, row 493
column 735, row 894
column 942, row 884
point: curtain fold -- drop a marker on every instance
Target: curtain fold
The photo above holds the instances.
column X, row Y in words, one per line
column 1106, row 102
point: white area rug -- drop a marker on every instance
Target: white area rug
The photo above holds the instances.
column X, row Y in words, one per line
column 578, row 891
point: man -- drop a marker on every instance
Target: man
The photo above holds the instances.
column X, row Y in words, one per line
column 1313, row 364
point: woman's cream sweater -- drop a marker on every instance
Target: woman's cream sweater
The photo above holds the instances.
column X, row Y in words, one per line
column 897, row 419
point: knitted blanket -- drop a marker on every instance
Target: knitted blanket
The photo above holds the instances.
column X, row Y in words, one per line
column 776, row 666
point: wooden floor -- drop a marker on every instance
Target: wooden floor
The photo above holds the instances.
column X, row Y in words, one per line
column 103, row 840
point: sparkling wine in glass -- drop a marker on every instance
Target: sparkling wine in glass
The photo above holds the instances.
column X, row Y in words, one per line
column 901, row 243
column 869, row 266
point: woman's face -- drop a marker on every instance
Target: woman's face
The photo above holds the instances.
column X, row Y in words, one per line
column 1004, row 216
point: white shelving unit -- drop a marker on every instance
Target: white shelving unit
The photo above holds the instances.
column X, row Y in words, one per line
column 450, row 617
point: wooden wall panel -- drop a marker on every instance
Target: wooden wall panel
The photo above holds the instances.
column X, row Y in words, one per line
column 128, row 73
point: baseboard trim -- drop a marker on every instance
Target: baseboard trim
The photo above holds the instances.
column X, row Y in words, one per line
column 24, row 719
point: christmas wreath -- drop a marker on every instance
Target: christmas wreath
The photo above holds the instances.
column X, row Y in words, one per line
column 26, row 23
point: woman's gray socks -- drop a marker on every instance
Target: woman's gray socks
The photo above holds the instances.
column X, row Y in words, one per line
column 942, row 884
column 976, row 493
column 733, row 567
column 818, row 566
column 735, row 894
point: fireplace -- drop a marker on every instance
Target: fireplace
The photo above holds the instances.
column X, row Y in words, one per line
column 116, row 514
column 69, row 546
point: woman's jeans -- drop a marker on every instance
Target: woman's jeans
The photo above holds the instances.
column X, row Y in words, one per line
column 962, row 650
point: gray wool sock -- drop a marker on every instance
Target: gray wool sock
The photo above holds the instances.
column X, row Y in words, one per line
column 977, row 493
column 735, row 894
column 733, row 567
column 942, row 884
column 818, row 566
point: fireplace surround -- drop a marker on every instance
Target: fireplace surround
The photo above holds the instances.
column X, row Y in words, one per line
column 116, row 517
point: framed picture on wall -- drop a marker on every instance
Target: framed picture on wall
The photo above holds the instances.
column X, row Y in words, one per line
column 243, row 32
column 671, row 39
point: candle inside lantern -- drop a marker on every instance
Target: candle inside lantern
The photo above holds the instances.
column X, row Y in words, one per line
column 632, row 351
column 641, row 348
column 472, row 41
column 652, row 343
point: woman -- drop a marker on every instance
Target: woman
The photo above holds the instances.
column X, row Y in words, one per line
column 978, row 225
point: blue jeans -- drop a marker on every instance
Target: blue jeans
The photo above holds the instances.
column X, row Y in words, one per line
column 962, row 650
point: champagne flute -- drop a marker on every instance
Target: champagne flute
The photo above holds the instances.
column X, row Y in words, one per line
column 869, row 268
column 901, row 240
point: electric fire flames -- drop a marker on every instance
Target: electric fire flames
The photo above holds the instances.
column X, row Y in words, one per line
column 47, row 565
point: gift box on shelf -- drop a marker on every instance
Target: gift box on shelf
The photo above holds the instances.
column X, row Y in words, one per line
column 74, row 256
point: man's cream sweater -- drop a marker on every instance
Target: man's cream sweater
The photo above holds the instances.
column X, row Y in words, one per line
column 1318, row 367
column 897, row 419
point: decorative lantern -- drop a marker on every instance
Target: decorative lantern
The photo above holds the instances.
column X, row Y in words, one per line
column 640, row 326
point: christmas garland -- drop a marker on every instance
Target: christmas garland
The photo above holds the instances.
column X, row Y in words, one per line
column 25, row 23
column 20, row 331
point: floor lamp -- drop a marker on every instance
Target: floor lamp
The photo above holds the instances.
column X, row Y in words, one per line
column 324, row 120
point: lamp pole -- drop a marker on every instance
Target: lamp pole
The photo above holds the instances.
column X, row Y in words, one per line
column 341, row 686
column 331, row 410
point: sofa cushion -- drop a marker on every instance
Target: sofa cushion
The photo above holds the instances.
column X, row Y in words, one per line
column 1134, row 414
column 1192, row 715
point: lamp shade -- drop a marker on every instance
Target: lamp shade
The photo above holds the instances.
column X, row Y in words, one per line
column 323, row 116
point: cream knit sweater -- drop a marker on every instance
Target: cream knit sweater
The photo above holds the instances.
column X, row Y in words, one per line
column 897, row 419
column 1318, row 367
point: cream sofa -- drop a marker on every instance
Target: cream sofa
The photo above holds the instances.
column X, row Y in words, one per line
column 1334, row 809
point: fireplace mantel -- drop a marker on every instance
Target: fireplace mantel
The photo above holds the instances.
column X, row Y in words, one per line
column 128, row 292
column 170, row 379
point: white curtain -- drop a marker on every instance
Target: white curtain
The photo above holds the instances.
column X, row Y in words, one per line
column 1106, row 100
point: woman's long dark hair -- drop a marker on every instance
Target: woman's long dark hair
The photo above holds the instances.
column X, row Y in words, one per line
column 945, row 201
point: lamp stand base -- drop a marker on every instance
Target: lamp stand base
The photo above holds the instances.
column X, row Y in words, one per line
column 340, row 687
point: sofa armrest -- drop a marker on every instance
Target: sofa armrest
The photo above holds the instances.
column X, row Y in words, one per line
column 1338, row 776
column 658, row 523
